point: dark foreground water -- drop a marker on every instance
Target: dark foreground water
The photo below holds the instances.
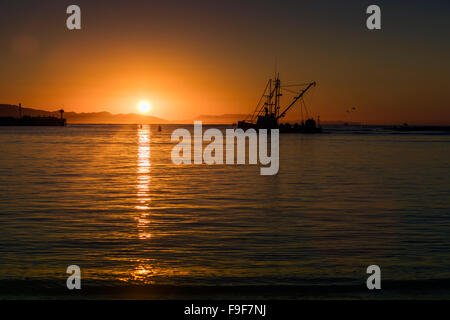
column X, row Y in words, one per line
column 108, row 199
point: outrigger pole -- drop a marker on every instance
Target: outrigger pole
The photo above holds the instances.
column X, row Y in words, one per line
column 296, row 99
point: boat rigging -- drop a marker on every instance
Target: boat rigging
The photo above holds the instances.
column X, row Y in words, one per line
column 268, row 112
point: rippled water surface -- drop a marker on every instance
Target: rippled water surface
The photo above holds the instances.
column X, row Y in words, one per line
column 109, row 199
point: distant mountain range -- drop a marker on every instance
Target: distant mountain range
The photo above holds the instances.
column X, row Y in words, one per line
column 7, row 110
column 215, row 119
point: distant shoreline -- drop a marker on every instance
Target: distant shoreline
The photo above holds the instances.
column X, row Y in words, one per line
column 104, row 117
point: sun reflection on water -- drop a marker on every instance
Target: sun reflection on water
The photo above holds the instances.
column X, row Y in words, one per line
column 142, row 273
column 143, row 182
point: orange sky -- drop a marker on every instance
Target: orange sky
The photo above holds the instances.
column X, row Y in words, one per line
column 215, row 58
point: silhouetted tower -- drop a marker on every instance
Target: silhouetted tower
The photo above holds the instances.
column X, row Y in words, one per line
column 20, row 110
column 61, row 112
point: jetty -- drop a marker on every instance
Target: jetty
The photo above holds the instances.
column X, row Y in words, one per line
column 23, row 120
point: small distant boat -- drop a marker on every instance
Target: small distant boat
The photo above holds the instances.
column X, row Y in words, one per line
column 267, row 114
column 22, row 120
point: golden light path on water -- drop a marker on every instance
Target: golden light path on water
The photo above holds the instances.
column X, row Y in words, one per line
column 143, row 270
column 143, row 181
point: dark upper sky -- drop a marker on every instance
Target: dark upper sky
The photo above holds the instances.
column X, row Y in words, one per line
column 214, row 57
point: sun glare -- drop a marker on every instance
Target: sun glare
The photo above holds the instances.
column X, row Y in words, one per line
column 144, row 106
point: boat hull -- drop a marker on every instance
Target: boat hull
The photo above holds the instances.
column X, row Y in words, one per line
column 284, row 128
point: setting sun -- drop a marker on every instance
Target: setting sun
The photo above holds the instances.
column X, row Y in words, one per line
column 144, row 106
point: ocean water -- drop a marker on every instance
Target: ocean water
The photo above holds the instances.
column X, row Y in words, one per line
column 109, row 199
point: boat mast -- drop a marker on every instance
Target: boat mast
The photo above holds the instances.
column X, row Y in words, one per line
column 269, row 98
column 277, row 95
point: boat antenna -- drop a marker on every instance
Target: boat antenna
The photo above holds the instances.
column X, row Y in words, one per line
column 276, row 66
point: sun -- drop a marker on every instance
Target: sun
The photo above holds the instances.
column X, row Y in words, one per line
column 144, row 106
